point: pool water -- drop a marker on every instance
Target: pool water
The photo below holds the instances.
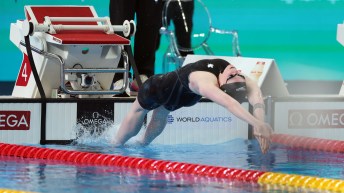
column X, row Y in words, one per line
column 56, row 176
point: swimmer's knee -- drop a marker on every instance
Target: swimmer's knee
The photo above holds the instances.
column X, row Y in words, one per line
column 161, row 112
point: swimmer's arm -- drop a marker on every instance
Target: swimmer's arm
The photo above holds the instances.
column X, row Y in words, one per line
column 218, row 96
column 255, row 98
column 206, row 85
column 262, row 131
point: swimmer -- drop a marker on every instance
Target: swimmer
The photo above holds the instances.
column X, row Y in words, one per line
column 215, row 79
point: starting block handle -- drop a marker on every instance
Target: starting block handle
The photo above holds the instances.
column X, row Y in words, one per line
column 128, row 28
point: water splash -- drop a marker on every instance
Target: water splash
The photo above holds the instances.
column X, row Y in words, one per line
column 101, row 135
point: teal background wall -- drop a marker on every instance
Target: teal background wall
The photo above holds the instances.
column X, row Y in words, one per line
column 299, row 34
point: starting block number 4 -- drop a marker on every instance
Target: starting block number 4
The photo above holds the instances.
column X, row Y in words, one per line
column 25, row 72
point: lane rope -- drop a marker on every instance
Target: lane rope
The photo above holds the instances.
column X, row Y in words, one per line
column 309, row 143
column 253, row 176
column 12, row 191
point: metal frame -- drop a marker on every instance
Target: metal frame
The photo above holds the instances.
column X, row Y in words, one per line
column 64, row 70
column 172, row 54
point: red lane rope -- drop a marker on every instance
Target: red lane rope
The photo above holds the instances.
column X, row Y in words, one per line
column 308, row 143
column 130, row 162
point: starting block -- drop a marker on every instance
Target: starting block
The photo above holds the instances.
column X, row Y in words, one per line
column 74, row 52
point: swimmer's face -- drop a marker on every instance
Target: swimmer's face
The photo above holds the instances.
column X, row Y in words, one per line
column 230, row 75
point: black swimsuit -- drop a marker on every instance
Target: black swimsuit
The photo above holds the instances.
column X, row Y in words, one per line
column 172, row 90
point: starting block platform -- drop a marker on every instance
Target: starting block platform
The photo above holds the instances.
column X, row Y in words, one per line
column 72, row 51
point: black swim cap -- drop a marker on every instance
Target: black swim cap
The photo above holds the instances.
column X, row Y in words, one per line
column 236, row 90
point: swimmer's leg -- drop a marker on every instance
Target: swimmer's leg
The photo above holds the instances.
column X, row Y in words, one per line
column 156, row 125
column 131, row 124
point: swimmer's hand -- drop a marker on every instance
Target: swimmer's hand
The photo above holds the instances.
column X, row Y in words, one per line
column 263, row 133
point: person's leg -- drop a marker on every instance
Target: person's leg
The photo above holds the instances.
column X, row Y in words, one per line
column 131, row 124
column 156, row 125
column 119, row 11
column 147, row 34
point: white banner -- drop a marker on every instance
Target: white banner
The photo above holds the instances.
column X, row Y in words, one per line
column 310, row 119
column 203, row 123
column 20, row 123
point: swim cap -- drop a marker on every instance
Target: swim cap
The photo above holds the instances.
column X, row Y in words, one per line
column 236, row 90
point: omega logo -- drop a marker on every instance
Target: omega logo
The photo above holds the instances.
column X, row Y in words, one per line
column 14, row 120
column 295, row 119
column 316, row 118
column 96, row 118
column 95, row 115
